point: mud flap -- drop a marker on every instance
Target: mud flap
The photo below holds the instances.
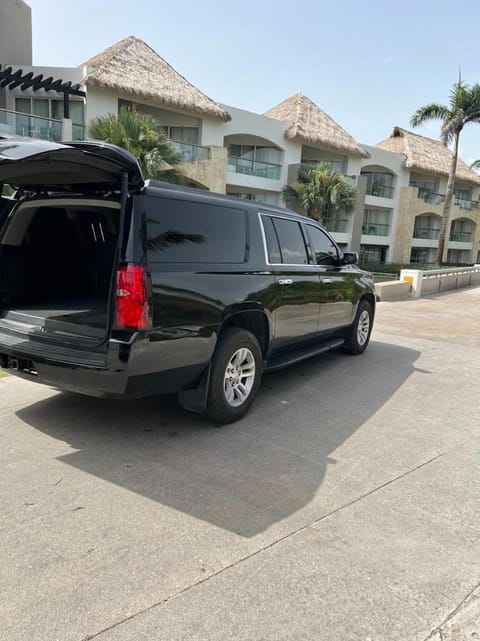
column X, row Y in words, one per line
column 195, row 399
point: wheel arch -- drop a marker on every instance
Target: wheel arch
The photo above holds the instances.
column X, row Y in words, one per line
column 254, row 320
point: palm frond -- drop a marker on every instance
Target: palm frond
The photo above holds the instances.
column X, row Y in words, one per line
column 143, row 136
column 433, row 111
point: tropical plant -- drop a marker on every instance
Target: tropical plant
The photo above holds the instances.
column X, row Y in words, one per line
column 320, row 192
column 143, row 136
column 464, row 108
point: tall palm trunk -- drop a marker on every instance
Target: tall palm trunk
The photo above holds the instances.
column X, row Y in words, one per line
column 442, row 238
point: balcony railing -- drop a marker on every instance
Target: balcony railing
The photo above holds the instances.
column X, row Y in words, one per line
column 189, row 152
column 383, row 191
column 426, row 233
column 465, row 203
column 254, row 168
column 430, row 197
column 17, row 123
column 461, row 236
column 334, row 224
column 433, row 198
column 375, row 229
column 20, row 124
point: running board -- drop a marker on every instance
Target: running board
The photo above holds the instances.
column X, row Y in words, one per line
column 301, row 354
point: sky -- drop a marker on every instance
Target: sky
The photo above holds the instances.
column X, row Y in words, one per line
column 369, row 65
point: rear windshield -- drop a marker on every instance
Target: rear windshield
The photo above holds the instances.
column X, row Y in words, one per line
column 180, row 231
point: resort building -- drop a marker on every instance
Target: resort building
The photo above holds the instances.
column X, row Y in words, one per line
column 400, row 182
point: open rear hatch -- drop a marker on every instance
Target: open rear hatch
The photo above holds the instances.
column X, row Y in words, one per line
column 59, row 244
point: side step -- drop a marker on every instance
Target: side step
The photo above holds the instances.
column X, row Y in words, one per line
column 284, row 360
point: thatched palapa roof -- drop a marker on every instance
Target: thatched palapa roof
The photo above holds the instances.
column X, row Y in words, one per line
column 426, row 155
column 312, row 126
column 133, row 68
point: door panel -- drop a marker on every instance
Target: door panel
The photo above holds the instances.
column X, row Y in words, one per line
column 337, row 295
column 297, row 306
column 337, row 282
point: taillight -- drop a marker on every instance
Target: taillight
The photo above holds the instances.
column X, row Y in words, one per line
column 132, row 308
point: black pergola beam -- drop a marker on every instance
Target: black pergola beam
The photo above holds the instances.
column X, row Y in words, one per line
column 12, row 79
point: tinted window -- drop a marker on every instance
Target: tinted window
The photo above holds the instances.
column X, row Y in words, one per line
column 292, row 244
column 273, row 247
column 179, row 231
column 324, row 250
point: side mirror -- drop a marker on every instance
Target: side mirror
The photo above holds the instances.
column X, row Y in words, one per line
column 350, row 258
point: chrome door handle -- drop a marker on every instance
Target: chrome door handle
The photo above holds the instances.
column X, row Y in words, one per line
column 326, row 280
column 285, row 281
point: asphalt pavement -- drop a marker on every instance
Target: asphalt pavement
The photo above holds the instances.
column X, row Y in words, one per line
column 344, row 507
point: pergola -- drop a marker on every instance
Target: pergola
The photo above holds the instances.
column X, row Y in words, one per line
column 11, row 79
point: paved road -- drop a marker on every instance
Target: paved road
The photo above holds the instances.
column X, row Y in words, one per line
column 345, row 507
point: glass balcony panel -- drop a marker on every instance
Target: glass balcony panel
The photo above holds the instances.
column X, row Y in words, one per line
column 254, row 168
column 426, row 233
column 375, row 229
column 189, row 152
column 334, row 224
column 20, row 124
column 461, row 236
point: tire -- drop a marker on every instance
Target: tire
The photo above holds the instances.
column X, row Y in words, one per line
column 358, row 335
column 230, row 394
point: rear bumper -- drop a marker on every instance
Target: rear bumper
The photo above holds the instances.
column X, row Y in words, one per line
column 132, row 369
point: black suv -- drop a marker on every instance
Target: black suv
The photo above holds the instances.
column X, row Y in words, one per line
column 118, row 287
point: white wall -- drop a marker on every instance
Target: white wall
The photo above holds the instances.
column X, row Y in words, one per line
column 15, row 33
column 100, row 102
column 252, row 124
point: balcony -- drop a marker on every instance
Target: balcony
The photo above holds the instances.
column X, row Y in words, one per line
column 465, row 203
column 461, row 236
column 189, row 152
column 254, row 168
column 15, row 123
column 382, row 191
column 20, row 124
column 375, row 229
column 433, row 198
column 426, row 233
column 430, row 197
column 334, row 224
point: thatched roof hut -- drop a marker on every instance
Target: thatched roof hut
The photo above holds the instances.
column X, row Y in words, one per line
column 426, row 155
column 312, row 126
column 135, row 69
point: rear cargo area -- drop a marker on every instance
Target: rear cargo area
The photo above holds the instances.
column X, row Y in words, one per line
column 56, row 267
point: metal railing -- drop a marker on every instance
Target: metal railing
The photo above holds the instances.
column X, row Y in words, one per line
column 433, row 198
column 430, row 197
column 20, row 124
column 465, row 203
column 382, row 191
column 375, row 229
column 254, row 168
column 427, row 233
column 461, row 236
column 334, row 224
column 189, row 152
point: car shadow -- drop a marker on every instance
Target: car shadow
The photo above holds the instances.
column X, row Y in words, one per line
column 242, row 477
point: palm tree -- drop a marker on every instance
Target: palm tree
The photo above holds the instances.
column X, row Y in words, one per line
column 143, row 136
column 464, row 108
column 320, row 192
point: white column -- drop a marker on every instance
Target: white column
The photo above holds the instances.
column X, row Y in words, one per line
column 67, row 129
